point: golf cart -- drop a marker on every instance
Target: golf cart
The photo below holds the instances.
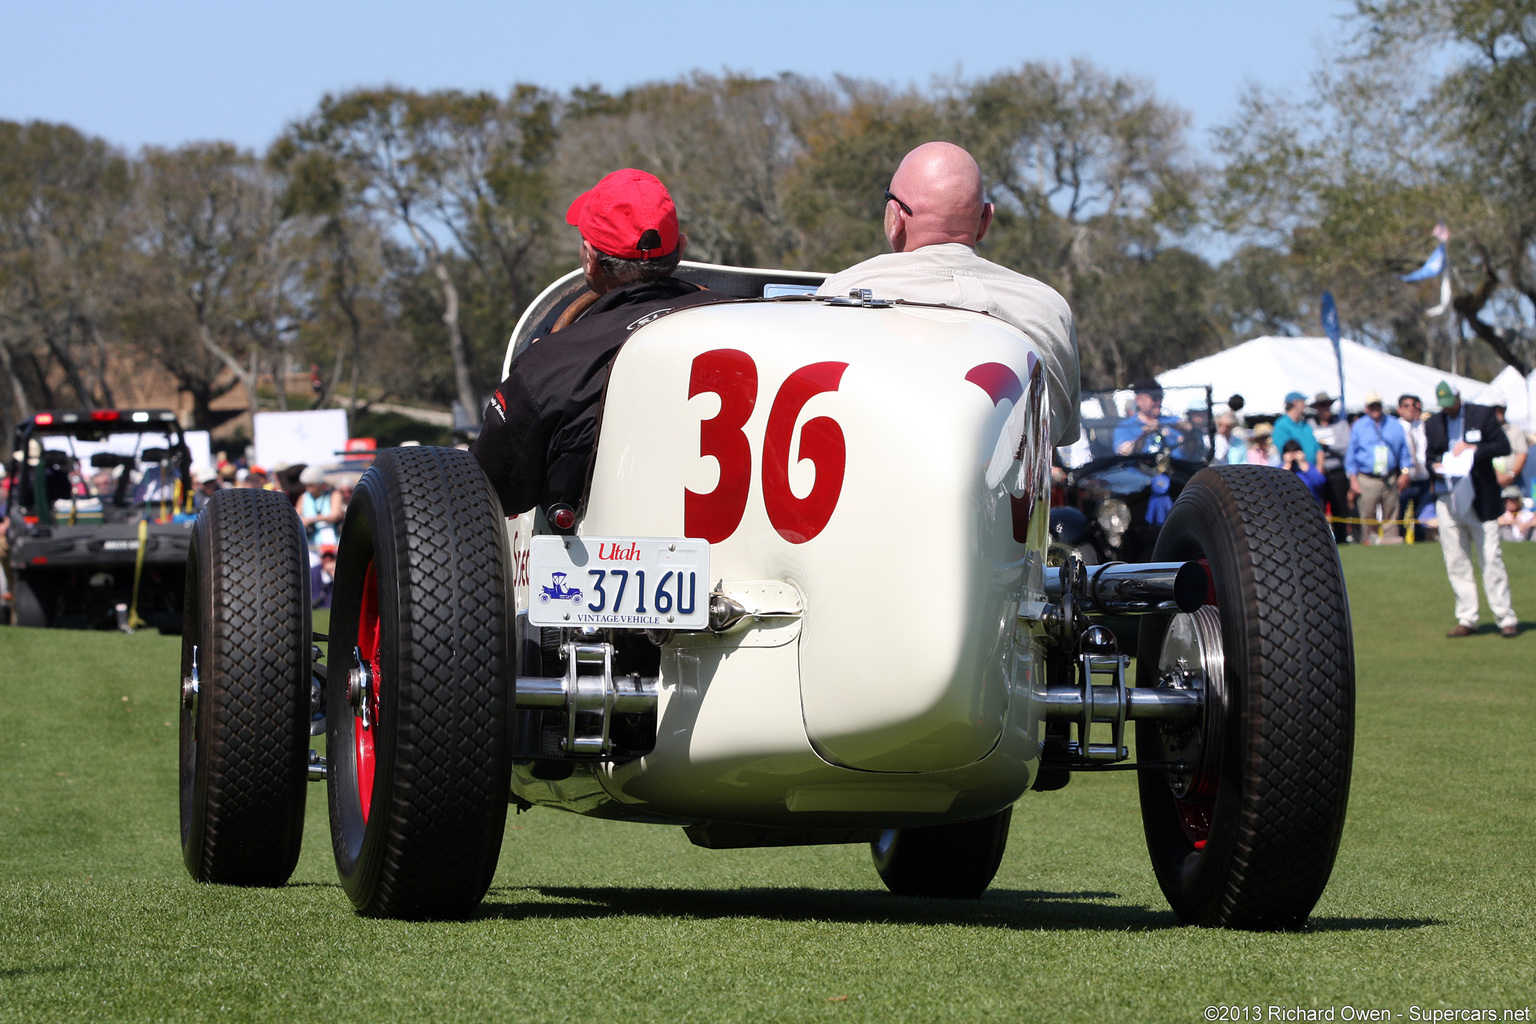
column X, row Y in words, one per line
column 100, row 519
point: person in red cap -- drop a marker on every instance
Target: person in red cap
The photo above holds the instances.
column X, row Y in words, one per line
column 540, row 427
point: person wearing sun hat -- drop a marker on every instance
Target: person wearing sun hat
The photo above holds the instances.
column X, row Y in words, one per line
column 541, row 424
column 1332, row 434
column 1460, row 443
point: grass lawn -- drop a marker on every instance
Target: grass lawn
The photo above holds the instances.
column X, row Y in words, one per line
column 1432, row 902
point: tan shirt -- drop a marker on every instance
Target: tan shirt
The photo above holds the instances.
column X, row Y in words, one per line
column 954, row 275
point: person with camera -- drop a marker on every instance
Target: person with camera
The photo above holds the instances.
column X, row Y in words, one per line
column 1294, row 459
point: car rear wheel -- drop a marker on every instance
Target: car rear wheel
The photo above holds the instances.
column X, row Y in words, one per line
column 245, row 693
column 1245, row 834
column 419, row 688
column 944, row 861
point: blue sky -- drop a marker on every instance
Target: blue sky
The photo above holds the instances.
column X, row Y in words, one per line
column 140, row 72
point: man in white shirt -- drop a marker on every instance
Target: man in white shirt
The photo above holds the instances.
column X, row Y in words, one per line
column 934, row 216
column 1419, row 494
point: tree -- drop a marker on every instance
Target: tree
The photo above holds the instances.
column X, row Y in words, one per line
column 213, row 272
column 851, row 136
column 1094, row 188
column 721, row 144
column 457, row 172
column 63, row 210
column 1423, row 114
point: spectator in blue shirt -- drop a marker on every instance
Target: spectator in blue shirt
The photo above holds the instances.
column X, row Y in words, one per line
column 1147, row 429
column 1377, row 458
column 1293, row 426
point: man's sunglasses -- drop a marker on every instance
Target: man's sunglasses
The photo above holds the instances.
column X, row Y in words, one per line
column 892, row 199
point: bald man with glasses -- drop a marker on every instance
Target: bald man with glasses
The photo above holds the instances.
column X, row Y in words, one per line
column 935, row 214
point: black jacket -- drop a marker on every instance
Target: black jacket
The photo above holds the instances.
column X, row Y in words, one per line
column 540, row 428
column 1492, row 443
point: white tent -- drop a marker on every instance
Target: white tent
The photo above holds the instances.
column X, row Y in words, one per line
column 1265, row 369
column 1517, row 393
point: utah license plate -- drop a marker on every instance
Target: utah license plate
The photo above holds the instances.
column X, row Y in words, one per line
column 628, row 582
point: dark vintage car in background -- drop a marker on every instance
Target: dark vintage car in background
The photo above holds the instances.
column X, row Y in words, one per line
column 1115, row 485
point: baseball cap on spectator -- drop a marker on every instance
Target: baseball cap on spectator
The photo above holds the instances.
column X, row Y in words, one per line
column 1294, row 396
column 1446, row 395
column 312, row 475
column 628, row 214
column 327, row 549
column 1372, row 398
column 206, row 476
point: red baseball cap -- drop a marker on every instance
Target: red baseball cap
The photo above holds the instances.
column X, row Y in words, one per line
column 619, row 213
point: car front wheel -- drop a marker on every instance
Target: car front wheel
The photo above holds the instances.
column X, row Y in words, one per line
column 1244, row 828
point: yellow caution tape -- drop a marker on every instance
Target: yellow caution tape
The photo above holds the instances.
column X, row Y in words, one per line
column 134, row 622
column 1380, row 524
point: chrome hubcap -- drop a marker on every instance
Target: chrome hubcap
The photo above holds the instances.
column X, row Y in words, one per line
column 190, row 683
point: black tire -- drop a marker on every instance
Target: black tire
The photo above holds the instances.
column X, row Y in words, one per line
column 1251, row 841
column 245, row 733
column 425, row 537
column 954, row 862
column 26, row 609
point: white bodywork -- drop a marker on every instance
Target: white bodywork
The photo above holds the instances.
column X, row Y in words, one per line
column 885, row 681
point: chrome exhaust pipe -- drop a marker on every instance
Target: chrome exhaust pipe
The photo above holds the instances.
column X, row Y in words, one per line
column 1134, row 588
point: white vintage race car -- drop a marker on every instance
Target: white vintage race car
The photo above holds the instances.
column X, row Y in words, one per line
column 806, row 601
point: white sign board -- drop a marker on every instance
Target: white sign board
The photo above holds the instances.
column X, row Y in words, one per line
column 313, row 437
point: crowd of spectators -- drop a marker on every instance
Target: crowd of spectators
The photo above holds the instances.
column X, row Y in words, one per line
column 1369, row 470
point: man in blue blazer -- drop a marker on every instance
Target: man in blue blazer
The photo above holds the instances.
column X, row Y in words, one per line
column 1461, row 442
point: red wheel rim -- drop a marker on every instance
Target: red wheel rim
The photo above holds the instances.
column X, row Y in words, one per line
column 368, row 648
column 1195, row 812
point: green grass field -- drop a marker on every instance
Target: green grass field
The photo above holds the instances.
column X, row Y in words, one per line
column 1432, row 902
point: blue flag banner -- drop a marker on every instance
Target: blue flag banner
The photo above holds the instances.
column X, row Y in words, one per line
column 1331, row 318
column 1330, row 311
column 1432, row 267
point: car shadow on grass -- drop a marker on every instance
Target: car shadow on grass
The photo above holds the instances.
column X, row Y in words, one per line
column 1012, row 909
column 997, row 908
column 1370, row 924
